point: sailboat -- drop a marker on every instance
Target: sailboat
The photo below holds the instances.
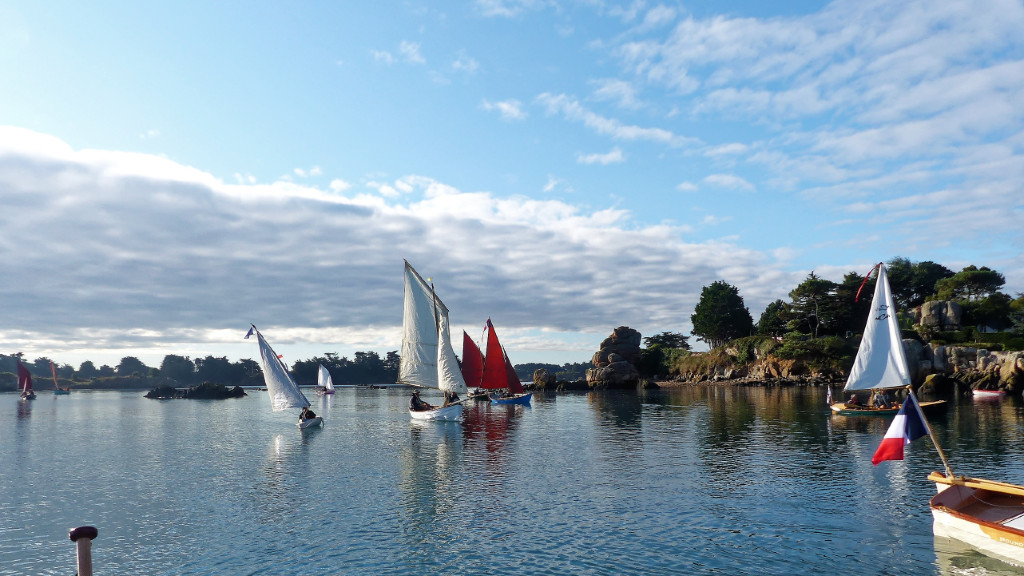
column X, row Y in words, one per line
column 473, row 368
column 284, row 392
column 25, row 382
column 324, row 384
column 57, row 390
column 881, row 363
column 428, row 360
column 499, row 376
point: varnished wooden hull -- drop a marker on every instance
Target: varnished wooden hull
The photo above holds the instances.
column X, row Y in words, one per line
column 987, row 515
column 842, row 409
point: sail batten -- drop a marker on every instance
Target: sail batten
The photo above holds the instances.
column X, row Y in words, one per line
column 881, row 361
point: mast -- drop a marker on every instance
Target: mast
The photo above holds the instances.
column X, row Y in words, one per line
column 935, row 441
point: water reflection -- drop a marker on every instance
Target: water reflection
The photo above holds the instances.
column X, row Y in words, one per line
column 955, row 558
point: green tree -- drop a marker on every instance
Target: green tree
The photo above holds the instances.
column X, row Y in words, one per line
column 814, row 303
column 970, row 284
column 668, row 340
column 720, row 315
column 88, row 370
column 131, row 365
column 179, row 368
column 773, row 319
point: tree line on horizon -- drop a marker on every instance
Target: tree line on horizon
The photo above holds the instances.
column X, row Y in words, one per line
column 822, row 317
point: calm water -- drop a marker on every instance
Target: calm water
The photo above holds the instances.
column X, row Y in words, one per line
column 685, row 481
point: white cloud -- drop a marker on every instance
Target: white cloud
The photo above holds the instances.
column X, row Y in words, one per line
column 619, row 91
column 730, row 181
column 507, row 109
column 572, row 110
column 614, row 156
column 383, row 56
column 149, row 134
column 410, row 52
column 686, row 187
column 463, row 63
column 318, row 263
column 339, row 185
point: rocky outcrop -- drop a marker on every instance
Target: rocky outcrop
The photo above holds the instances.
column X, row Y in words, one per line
column 939, row 315
column 206, row 391
column 615, row 363
column 542, row 378
column 975, row 367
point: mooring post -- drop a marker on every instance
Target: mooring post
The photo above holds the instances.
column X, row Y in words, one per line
column 83, row 536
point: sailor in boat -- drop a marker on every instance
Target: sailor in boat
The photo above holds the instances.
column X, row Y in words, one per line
column 306, row 414
column 855, row 401
column 417, row 405
column 451, row 398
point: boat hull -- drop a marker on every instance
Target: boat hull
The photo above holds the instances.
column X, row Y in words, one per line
column 324, row 392
column 451, row 413
column 842, row 409
column 987, row 394
column 987, row 515
column 310, row 423
column 517, row 399
column 61, row 392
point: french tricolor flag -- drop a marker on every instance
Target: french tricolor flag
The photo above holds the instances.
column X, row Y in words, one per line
column 905, row 428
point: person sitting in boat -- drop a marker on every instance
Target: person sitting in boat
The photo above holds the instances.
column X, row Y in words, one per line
column 306, row 414
column 451, row 398
column 417, row 405
column 878, row 400
column 855, row 401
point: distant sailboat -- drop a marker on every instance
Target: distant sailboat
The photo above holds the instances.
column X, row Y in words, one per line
column 324, row 384
column 881, row 363
column 57, row 390
column 428, row 360
column 499, row 376
column 284, row 392
column 25, row 382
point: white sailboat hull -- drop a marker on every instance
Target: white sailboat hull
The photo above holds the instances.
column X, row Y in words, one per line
column 451, row 413
column 312, row 422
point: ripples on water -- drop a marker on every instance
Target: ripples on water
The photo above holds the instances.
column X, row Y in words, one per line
column 709, row 480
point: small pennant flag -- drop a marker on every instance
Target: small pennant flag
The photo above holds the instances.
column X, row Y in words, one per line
column 249, row 333
column 828, row 395
column 905, row 428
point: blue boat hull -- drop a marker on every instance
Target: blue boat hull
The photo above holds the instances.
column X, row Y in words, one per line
column 520, row 399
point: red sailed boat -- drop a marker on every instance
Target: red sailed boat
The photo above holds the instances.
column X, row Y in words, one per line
column 498, row 375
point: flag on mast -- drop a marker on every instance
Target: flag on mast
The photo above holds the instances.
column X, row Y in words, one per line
column 905, row 428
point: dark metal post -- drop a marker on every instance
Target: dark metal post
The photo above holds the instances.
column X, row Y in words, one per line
column 83, row 536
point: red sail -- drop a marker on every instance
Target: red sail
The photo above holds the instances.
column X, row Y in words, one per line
column 472, row 362
column 494, row 362
column 24, row 378
column 514, row 385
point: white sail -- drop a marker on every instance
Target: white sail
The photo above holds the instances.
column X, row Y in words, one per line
column 418, row 365
column 323, row 379
column 449, row 375
column 284, row 392
column 881, row 361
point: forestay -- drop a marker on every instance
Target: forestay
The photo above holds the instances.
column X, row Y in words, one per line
column 284, row 392
column 881, row 361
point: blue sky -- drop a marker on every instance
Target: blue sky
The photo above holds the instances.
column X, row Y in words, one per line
column 171, row 172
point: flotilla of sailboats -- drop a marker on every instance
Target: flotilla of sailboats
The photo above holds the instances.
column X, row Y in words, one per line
column 281, row 387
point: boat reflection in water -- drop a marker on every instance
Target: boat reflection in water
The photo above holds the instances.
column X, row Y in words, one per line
column 956, row 558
